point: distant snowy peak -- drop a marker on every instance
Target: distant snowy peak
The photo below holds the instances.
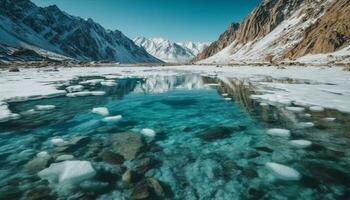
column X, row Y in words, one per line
column 23, row 25
column 169, row 51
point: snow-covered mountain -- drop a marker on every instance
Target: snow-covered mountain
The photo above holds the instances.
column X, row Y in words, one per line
column 50, row 32
column 169, row 51
column 286, row 30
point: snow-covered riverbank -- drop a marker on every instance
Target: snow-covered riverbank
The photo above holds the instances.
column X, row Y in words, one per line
column 307, row 86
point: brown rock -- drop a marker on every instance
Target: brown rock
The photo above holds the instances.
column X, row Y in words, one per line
column 141, row 191
column 36, row 164
column 112, row 158
column 127, row 144
column 157, row 188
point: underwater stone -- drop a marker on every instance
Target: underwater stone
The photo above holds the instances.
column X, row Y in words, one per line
column 40, row 193
column 43, row 154
column 278, row 132
column 283, row 172
column 219, row 133
column 101, row 111
column 148, row 132
column 157, row 188
column 112, row 158
column 58, row 141
column 64, row 157
column 92, row 185
column 37, row 164
column 127, row 144
column 144, row 165
column 300, row 143
column 141, row 191
column 70, row 172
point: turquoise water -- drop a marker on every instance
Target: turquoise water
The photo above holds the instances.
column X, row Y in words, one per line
column 206, row 147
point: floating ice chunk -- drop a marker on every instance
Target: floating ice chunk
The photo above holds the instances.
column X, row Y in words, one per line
column 111, row 76
column 278, row 132
column 101, row 111
column 109, row 83
column 75, row 88
column 213, row 84
column 228, row 99
column 6, row 114
column 148, row 132
column 295, row 109
column 263, row 104
column 308, row 115
column 283, row 172
column 91, row 82
column 79, row 94
column 45, row 107
column 43, row 154
column 112, row 118
column 58, row 141
column 70, row 172
column 224, row 94
column 300, row 143
column 98, row 93
column 64, row 157
column 329, row 119
column 316, row 109
column 305, row 124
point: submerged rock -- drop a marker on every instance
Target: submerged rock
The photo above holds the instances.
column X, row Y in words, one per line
column 127, row 144
column 305, row 124
column 91, row 185
column 101, row 111
column 70, row 172
column 141, row 191
column 148, row 132
column 157, row 188
column 278, row 132
column 283, row 172
column 43, row 154
column 58, row 142
column 40, row 193
column 112, row 158
column 64, row 157
column 300, row 143
column 14, row 69
column 219, row 133
column 37, row 164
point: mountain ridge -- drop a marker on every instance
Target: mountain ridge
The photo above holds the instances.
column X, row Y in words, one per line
column 25, row 25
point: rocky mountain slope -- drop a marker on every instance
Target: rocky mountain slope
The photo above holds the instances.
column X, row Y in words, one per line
column 53, row 33
column 284, row 29
column 168, row 51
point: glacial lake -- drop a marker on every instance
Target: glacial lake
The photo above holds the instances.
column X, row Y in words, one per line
column 172, row 137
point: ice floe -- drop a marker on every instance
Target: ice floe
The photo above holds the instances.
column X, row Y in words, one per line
column 70, row 172
column 316, row 109
column 305, row 124
column 224, row 94
column 101, row 111
column 295, row 109
column 6, row 114
column 91, row 82
column 45, row 107
column 283, row 172
column 228, row 99
column 112, row 118
column 58, row 141
column 109, row 83
column 75, row 88
column 86, row 93
column 278, row 132
column 148, row 132
column 329, row 119
column 300, row 143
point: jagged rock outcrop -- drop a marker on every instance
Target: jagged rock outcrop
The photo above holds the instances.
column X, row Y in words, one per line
column 330, row 33
column 280, row 29
column 224, row 40
column 51, row 31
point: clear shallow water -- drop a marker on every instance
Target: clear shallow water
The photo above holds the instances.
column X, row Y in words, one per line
column 189, row 164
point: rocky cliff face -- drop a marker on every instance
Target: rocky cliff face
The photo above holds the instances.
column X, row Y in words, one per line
column 330, row 33
column 280, row 29
column 24, row 25
column 224, row 40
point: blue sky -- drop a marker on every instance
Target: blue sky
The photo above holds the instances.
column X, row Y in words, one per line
column 177, row 20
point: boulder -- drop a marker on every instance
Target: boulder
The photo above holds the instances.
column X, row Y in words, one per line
column 283, row 172
column 141, row 191
column 37, row 164
column 156, row 186
column 70, row 172
column 127, row 144
column 112, row 158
